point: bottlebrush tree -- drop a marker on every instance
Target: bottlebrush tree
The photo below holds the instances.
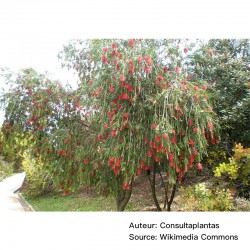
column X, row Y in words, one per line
column 43, row 118
column 151, row 114
column 136, row 109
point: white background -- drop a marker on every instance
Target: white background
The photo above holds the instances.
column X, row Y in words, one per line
column 110, row 230
column 33, row 32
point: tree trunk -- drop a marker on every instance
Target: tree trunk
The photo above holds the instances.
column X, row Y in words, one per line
column 122, row 199
column 170, row 201
column 152, row 184
column 123, row 196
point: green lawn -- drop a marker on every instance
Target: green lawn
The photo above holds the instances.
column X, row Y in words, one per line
column 72, row 202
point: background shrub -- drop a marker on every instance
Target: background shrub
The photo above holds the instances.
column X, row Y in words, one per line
column 201, row 198
column 38, row 180
column 6, row 169
column 237, row 171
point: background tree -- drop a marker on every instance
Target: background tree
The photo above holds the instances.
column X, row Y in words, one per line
column 224, row 64
column 43, row 114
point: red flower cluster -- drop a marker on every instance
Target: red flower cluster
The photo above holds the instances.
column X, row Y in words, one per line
column 115, row 164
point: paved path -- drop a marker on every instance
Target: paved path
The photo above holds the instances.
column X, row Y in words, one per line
column 10, row 201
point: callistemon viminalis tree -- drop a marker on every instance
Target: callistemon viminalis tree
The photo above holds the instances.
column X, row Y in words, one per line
column 151, row 114
column 47, row 120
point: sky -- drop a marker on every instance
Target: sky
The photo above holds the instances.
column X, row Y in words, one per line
column 32, row 32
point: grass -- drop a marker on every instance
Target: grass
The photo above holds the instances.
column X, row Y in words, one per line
column 72, row 203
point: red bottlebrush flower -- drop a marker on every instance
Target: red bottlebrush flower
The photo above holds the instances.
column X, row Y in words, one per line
column 195, row 152
column 122, row 78
column 210, row 125
column 131, row 69
column 150, row 153
column 126, row 115
column 86, row 161
column 164, row 85
column 195, row 130
column 154, row 125
column 111, row 89
column 210, row 52
column 178, row 170
column 142, row 164
column 65, row 192
column 171, row 163
column 213, row 140
column 199, row 166
column 105, row 126
column 116, row 170
column 105, row 50
column 152, row 144
column 174, row 139
column 104, row 59
column 118, row 68
column 196, row 96
column 111, row 160
column 184, row 88
column 196, row 87
column 146, row 167
column 132, row 42
column 113, row 46
column 171, row 157
column 114, row 132
column 191, row 142
column 125, row 186
column 118, row 163
column 180, row 176
column 160, row 77
column 207, row 135
column 126, row 125
column 124, row 96
column 204, row 87
column 177, row 70
column 147, row 59
column 62, row 152
column 147, row 69
column 190, row 123
column 145, row 139
column 140, row 58
column 121, row 140
column 165, row 136
column 157, row 138
column 185, row 50
column 157, row 159
column 100, row 137
column 139, row 171
column 87, row 187
column 129, row 88
column 165, row 69
column 191, row 160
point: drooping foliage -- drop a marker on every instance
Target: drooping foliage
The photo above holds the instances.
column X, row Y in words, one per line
column 224, row 64
column 148, row 108
column 136, row 108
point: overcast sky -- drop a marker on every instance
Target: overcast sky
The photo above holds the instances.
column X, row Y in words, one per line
column 33, row 32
